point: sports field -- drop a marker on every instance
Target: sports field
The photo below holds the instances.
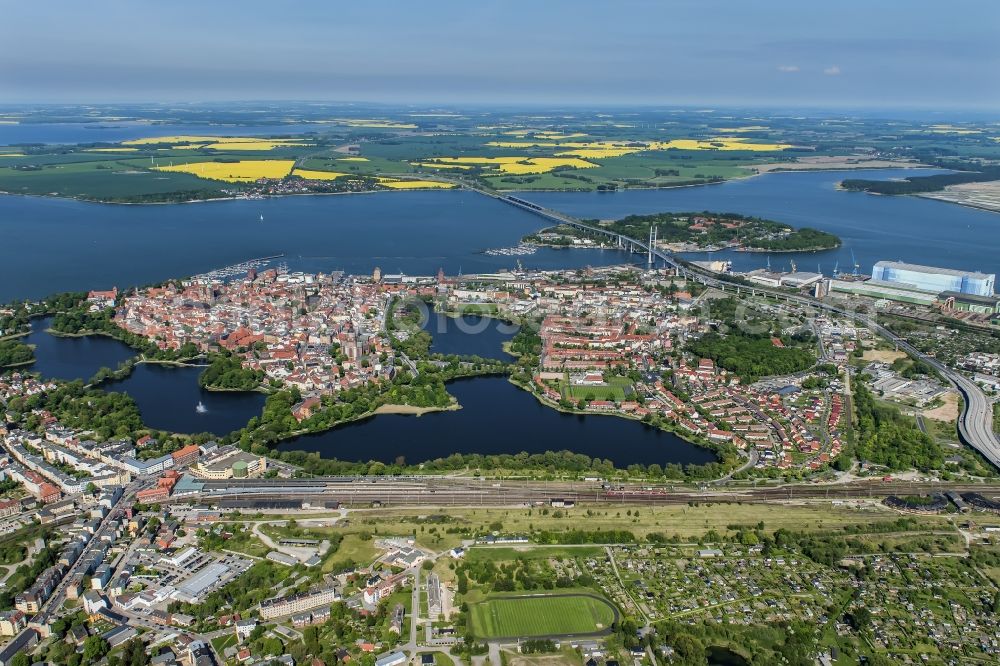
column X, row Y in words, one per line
column 542, row 615
column 618, row 388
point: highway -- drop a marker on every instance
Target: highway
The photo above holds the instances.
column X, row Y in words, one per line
column 975, row 423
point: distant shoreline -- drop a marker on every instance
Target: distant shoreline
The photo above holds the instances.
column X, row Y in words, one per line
column 784, row 169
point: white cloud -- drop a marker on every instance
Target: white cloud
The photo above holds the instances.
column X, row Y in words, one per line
column 788, row 68
column 832, row 71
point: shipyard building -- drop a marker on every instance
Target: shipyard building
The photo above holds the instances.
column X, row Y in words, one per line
column 931, row 279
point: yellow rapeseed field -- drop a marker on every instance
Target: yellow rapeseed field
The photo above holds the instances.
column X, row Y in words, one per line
column 471, row 159
column 516, row 165
column 435, row 165
column 611, row 149
column 317, row 175
column 544, row 164
column 395, row 184
column 608, row 149
column 582, row 149
column 11, row 154
column 718, row 143
column 352, row 159
column 110, row 150
column 234, row 172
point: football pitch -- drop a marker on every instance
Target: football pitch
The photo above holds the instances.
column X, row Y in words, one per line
column 542, row 615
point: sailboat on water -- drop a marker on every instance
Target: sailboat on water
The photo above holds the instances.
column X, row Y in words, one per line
column 201, row 408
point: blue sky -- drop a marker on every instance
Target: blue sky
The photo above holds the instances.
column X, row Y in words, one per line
column 808, row 53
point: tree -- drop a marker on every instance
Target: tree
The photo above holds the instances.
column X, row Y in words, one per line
column 94, row 648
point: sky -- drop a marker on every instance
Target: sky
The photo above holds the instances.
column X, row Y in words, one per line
column 804, row 53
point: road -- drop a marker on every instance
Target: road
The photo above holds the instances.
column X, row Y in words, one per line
column 751, row 461
column 58, row 596
column 415, row 608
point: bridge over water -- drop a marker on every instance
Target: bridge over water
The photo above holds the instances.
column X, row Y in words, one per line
column 975, row 423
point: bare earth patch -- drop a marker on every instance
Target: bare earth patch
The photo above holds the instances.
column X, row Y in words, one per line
column 411, row 410
column 977, row 195
column 515, row 659
column 947, row 412
column 835, row 162
column 883, row 355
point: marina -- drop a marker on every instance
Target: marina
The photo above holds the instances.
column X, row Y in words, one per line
column 523, row 250
column 241, row 268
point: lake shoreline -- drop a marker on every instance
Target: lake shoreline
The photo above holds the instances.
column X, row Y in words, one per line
column 412, row 410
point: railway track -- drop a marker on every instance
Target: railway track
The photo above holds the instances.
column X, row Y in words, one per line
column 440, row 492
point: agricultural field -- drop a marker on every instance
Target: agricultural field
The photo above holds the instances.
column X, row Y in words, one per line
column 499, row 150
column 398, row 184
column 99, row 178
column 309, row 174
column 234, row 172
column 528, row 616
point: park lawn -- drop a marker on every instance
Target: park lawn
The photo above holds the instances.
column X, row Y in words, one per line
column 683, row 520
column 352, row 548
column 477, row 308
column 220, row 643
column 441, row 659
column 540, row 615
column 530, row 552
column 567, row 656
column 402, row 597
column 247, row 544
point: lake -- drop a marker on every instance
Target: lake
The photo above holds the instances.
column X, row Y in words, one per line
column 167, row 398
column 498, row 417
column 469, row 335
column 70, row 358
column 912, row 229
